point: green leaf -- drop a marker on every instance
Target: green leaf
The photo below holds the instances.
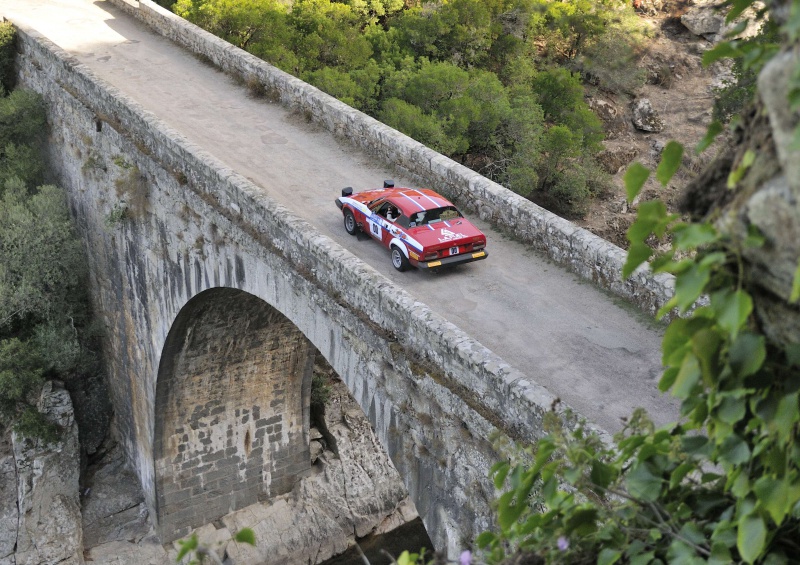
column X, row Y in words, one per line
column 734, row 450
column 720, row 554
column 602, row 474
column 732, row 310
column 246, row 535
column 668, row 379
column 675, row 341
column 722, row 50
column 731, row 410
column 692, row 236
column 634, row 179
column 405, row 559
column 786, row 417
column 608, row 556
column 643, row 484
column 643, row 558
column 795, row 295
column 690, row 285
column 638, row 253
column 751, row 537
column 737, row 7
column 747, row 354
column 679, row 474
column 583, row 521
column 737, row 29
column 543, row 453
column 714, row 129
column 775, row 497
column 670, row 162
column 485, row 539
column 736, row 175
column 705, row 346
column 500, row 472
column 186, row 546
column 687, row 378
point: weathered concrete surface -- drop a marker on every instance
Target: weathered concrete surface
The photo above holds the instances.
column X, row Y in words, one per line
column 50, row 529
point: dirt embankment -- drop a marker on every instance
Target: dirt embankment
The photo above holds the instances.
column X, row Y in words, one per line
column 681, row 92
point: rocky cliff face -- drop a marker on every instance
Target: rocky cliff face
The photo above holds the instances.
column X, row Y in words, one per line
column 767, row 198
column 46, row 527
column 352, row 491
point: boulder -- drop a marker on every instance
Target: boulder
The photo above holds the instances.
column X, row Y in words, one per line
column 48, row 475
column 644, row 117
column 614, row 160
column 704, row 21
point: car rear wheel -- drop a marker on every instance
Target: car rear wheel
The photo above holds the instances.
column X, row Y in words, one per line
column 350, row 222
column 399, row 260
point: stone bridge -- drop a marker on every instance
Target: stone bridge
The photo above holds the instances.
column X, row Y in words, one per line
column 216, row 299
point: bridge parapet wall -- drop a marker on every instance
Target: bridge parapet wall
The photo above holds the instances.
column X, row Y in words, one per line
column 586, row 254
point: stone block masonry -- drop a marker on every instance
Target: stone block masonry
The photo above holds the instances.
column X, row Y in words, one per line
column 586, row 254
column 231, row 416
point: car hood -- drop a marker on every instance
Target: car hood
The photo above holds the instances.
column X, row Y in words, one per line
column 440, row 234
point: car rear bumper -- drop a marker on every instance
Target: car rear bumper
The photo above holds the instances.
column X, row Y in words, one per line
column 454, row 260
column 338, row 203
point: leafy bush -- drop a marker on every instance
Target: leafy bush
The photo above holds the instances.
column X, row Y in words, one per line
column 7, row 54
column 22, row 118
column 44, row 310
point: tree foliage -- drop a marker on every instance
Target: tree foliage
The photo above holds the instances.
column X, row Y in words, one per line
column 44, row 315
column 7, row 78
column 445, row 72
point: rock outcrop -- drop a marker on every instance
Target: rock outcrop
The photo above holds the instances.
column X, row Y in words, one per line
column 9, row 515
column 644, row 117
column 48, row 476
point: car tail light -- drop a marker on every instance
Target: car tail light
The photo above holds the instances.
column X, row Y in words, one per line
column 430, row 256
column 478, row 245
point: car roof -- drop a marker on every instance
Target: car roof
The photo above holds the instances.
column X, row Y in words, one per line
column 411, row 200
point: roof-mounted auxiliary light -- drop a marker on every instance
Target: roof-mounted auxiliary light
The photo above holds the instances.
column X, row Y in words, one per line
column 347, row 191
column 388, row 184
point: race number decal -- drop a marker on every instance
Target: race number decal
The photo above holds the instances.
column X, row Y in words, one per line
column 374, row 229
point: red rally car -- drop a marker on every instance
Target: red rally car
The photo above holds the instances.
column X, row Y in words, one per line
column 420, row 227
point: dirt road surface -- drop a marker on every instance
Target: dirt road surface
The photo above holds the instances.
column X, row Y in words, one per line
column 598, row 355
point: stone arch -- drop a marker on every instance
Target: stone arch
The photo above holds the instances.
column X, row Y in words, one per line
column 231, row 409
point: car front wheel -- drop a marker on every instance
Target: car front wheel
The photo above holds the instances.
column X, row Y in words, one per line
column 399, row 260
column 350, row 223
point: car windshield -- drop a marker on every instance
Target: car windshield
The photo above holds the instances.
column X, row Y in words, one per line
column 434, row 215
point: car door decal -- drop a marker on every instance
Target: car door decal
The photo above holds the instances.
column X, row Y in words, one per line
column 374, row 229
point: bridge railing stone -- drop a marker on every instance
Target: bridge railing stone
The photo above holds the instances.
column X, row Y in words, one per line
column 586, row 254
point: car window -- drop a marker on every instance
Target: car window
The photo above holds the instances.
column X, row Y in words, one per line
column 435, row 215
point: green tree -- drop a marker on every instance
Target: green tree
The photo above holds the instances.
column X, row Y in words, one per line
column 41, row 261
column 412, row 121
column 327, row 33
column 7, row 52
